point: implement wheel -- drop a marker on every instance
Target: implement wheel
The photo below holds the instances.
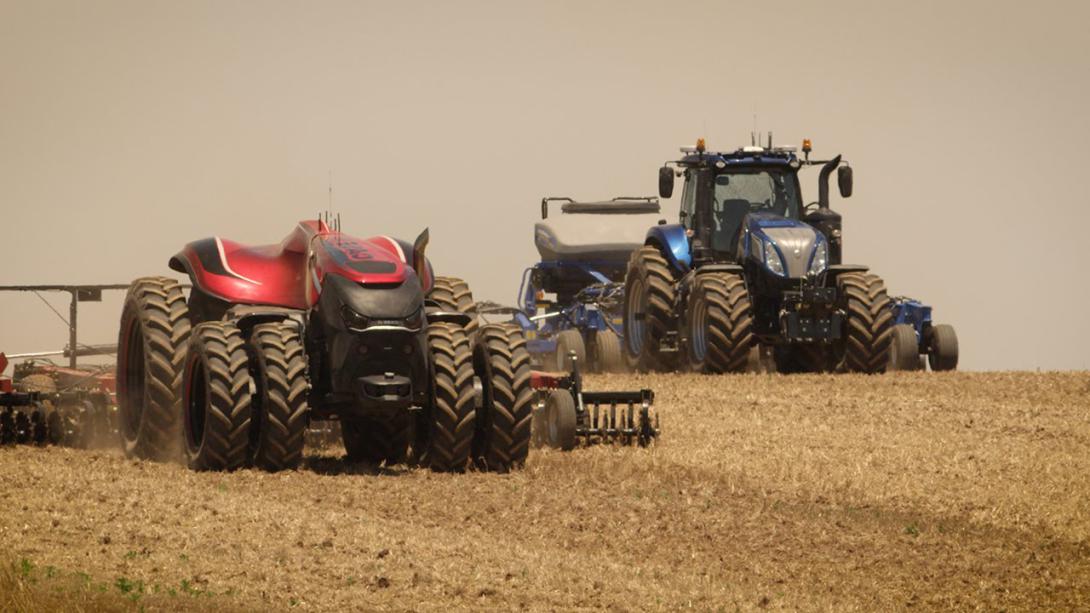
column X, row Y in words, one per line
column 566, row 342
column 216, row 399
column 150, row 359
column 277, row 436
column 609, row 354
column 445, row 435
column 560, row 420
column 869, row 322
column 648, row 308
column 720, row 322
column 904, row 352
column 944, row 348
column 502, row 364
column 453, row 295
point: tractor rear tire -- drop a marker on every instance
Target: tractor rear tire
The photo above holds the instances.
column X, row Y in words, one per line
column 376, row 441
column 453, row 295
column 502, row 364
column 944, row 348
column 648, row 308
column 869, row 322
column 720, row 319
column 216, row 401
column 904, row 353
column 151, row 352
column 560, row 420
column 446, row 434
column 41, row 383
column 279, row 362
column 566, row 342
column 609, row 354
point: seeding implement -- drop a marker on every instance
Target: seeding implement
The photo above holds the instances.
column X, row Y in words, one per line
column 566, row 415
column 43, row 403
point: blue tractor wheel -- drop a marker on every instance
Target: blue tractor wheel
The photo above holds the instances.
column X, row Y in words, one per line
column 944, row 348
column 904, row 353
column 648, row 309
column 720, row 324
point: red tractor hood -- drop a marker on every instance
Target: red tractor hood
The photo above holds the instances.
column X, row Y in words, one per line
column 290, row 274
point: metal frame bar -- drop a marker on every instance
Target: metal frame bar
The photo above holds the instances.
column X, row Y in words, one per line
column 73, row 350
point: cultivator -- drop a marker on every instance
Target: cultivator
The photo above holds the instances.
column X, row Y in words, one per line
column 566, row 415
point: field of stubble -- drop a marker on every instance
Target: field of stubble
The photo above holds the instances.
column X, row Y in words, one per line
column 931, row 491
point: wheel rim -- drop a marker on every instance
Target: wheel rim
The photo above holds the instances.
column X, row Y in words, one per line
column 698, row 328
column 133, row 386
column 196, row 400
column 635, row 327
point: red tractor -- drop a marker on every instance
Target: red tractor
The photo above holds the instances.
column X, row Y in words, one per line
column 321, row 326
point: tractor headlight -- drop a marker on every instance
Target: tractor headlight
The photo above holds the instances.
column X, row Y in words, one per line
column 772, row 258
column 354, row 320
column 416, row 320
column 819, row 261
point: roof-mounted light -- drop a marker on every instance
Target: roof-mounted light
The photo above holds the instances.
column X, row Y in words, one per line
column 806, row 148
column 700, row 148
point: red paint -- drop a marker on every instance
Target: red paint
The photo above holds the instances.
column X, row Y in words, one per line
column 284, row 274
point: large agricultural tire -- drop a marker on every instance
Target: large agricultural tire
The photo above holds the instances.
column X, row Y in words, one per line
column 377, row 441
column 502, row 363
column 868, row 329
column 567, row 342
column 720, row 321
column 445, row 434
column 150, row 359
column 41, row 383
column 608, row 352
column 648, row 308
column 279, row 364
column 560, row 420
column 453, row 294
column 216, row 402
column 944, row 348
column 904, row 352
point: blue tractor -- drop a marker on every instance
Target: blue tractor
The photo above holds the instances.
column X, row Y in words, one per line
column 916, row 336
column 750, row 265
column 572, row 300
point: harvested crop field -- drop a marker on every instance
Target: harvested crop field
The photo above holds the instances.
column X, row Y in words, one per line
column 913, row 490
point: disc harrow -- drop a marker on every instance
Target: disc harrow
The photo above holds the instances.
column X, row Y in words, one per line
column 566, row 415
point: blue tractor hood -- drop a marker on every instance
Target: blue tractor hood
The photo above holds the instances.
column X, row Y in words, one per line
column 784, row 247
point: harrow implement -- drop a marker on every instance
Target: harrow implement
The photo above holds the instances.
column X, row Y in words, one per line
column 565, row 415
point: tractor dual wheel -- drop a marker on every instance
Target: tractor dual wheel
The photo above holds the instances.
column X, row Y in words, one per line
column 720, row 324
column 904, row 352
column 446, row 428
column 151, row 350
column 944, row 348
column 377, row 441
column 216, row 401
column 608, row 352
column 648, row 308
column 502, row 364
column 868, row 329
column 279, row 412
column 560, row 420
column 453, row 294
column 569, row 341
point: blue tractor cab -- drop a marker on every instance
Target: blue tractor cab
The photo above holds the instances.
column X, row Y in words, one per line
column 748, row 264
column 572, row 299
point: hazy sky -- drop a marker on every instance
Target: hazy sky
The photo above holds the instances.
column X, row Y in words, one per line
column 130, row 128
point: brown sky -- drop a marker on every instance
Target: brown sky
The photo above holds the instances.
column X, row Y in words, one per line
column 130, row 128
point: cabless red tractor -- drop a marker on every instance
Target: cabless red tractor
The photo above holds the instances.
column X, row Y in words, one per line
column 321, row 326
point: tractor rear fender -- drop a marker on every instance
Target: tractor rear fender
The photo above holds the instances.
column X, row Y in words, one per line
column 246, row 316
column 673, row 243
column 436, row 316
column 710, row 268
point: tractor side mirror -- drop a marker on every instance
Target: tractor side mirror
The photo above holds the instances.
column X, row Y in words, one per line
column 666, row 182
column 844, row 181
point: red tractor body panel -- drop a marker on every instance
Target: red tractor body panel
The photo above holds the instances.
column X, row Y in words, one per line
column 290, row 273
